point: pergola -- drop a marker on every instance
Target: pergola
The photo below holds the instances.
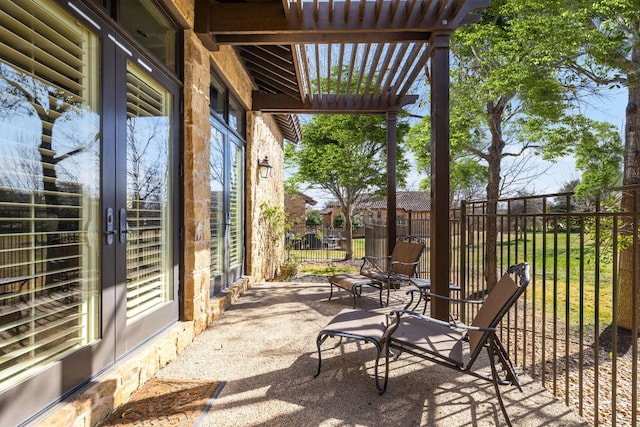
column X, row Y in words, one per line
column 364, row 58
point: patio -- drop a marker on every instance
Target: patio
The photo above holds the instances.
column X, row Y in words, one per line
column 264, row 348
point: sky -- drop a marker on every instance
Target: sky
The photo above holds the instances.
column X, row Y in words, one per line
column 609, row 107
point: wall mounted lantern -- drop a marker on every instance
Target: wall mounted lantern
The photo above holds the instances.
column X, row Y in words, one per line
column 265, row 167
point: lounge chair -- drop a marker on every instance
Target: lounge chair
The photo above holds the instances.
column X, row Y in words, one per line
column 436, row 340
column 443, row 342
column 383, row 272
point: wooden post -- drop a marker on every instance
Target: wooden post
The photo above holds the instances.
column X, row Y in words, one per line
column 439, row 256
column 391, row 181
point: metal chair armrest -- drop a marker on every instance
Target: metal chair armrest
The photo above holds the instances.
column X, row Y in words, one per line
column 427, row 294
column 373, row 262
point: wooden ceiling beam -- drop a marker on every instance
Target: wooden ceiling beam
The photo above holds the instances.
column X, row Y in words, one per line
column 340, row 104
column 262, row 23
column 322, row 38
column 278, row 65
column 364, row 17
column 259, row 71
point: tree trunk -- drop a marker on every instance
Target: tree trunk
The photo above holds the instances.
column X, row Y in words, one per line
column 348, row 234
column 628, row 277
column 491, row 231
column 493, row 191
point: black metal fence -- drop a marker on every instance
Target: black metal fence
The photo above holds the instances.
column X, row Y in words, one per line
column 576, row 328
column 323, row 244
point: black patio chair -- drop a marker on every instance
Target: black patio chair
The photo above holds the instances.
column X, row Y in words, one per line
column 443, row 342
column 383, row 272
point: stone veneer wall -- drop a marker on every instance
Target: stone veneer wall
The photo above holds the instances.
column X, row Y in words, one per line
column 113, row 388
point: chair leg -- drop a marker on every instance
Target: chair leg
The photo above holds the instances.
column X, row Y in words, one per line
column 496, row 381
column 356, row 290
column 506, row 365
column 388, row 287
column 331, row 293
column 386, row 349
column 380, row 287
column 321, row 338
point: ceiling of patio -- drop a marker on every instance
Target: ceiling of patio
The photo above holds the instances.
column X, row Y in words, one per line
column 332, row 56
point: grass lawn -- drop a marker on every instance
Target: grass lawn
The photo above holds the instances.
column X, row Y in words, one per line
column 567, row 277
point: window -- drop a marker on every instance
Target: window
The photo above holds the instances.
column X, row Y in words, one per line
column 226, row 106
column 218, row 98
column 226, row 167
column 49, row 187
column 148, row 193
column 150, row 27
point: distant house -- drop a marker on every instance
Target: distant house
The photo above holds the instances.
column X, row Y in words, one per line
column 409, row 205
column 295, row 205
column 330, row 213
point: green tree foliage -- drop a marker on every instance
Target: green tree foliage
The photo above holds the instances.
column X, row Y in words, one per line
column 346, row 155
column 314, row 218
column 611, row 57
column 339, row 221
column 599, row 158
column 509, row 98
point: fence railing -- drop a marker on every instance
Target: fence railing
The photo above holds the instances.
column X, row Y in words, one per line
column 576, row 328
column 323, row 244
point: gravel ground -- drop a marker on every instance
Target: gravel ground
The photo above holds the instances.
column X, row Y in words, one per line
column 264, row 349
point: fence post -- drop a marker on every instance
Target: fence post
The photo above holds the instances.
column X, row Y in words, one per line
column 463, row 258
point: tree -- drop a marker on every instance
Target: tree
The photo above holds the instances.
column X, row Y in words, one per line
column 314, row 218
column 339, row 221
column 611, row 43
column 599, row 157
column 346, row 156
column 508, row 99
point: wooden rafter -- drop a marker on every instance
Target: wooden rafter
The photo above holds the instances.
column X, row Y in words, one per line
column 333, row 53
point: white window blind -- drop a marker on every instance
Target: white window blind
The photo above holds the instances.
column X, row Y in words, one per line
column 236, row 207
column 148, row 193
column 216, row 208
column 48, row 200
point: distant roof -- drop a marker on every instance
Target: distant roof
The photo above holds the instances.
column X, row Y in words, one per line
column 410, row 201
column 308, row 200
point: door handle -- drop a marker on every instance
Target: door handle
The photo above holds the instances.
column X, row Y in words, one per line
column 109, row 226
column 124, row 230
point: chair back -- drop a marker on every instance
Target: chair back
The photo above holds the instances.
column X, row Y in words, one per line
column 407, row 253
column 496, row 305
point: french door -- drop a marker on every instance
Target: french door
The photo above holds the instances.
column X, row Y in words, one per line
column 88, row 203
column 227, row 206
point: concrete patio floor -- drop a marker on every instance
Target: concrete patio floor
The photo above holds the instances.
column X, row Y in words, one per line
column 264, row 348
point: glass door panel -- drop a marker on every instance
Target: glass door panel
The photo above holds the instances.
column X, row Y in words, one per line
column 236, row 211
column 148, row 225
column 217, row 206
column 227, row 206
column 49, row 188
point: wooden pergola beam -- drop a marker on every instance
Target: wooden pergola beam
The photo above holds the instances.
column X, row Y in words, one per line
column 440, row 262
column 321, row 38
column 362, row 22
column 339, row 104
column 269, row 18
